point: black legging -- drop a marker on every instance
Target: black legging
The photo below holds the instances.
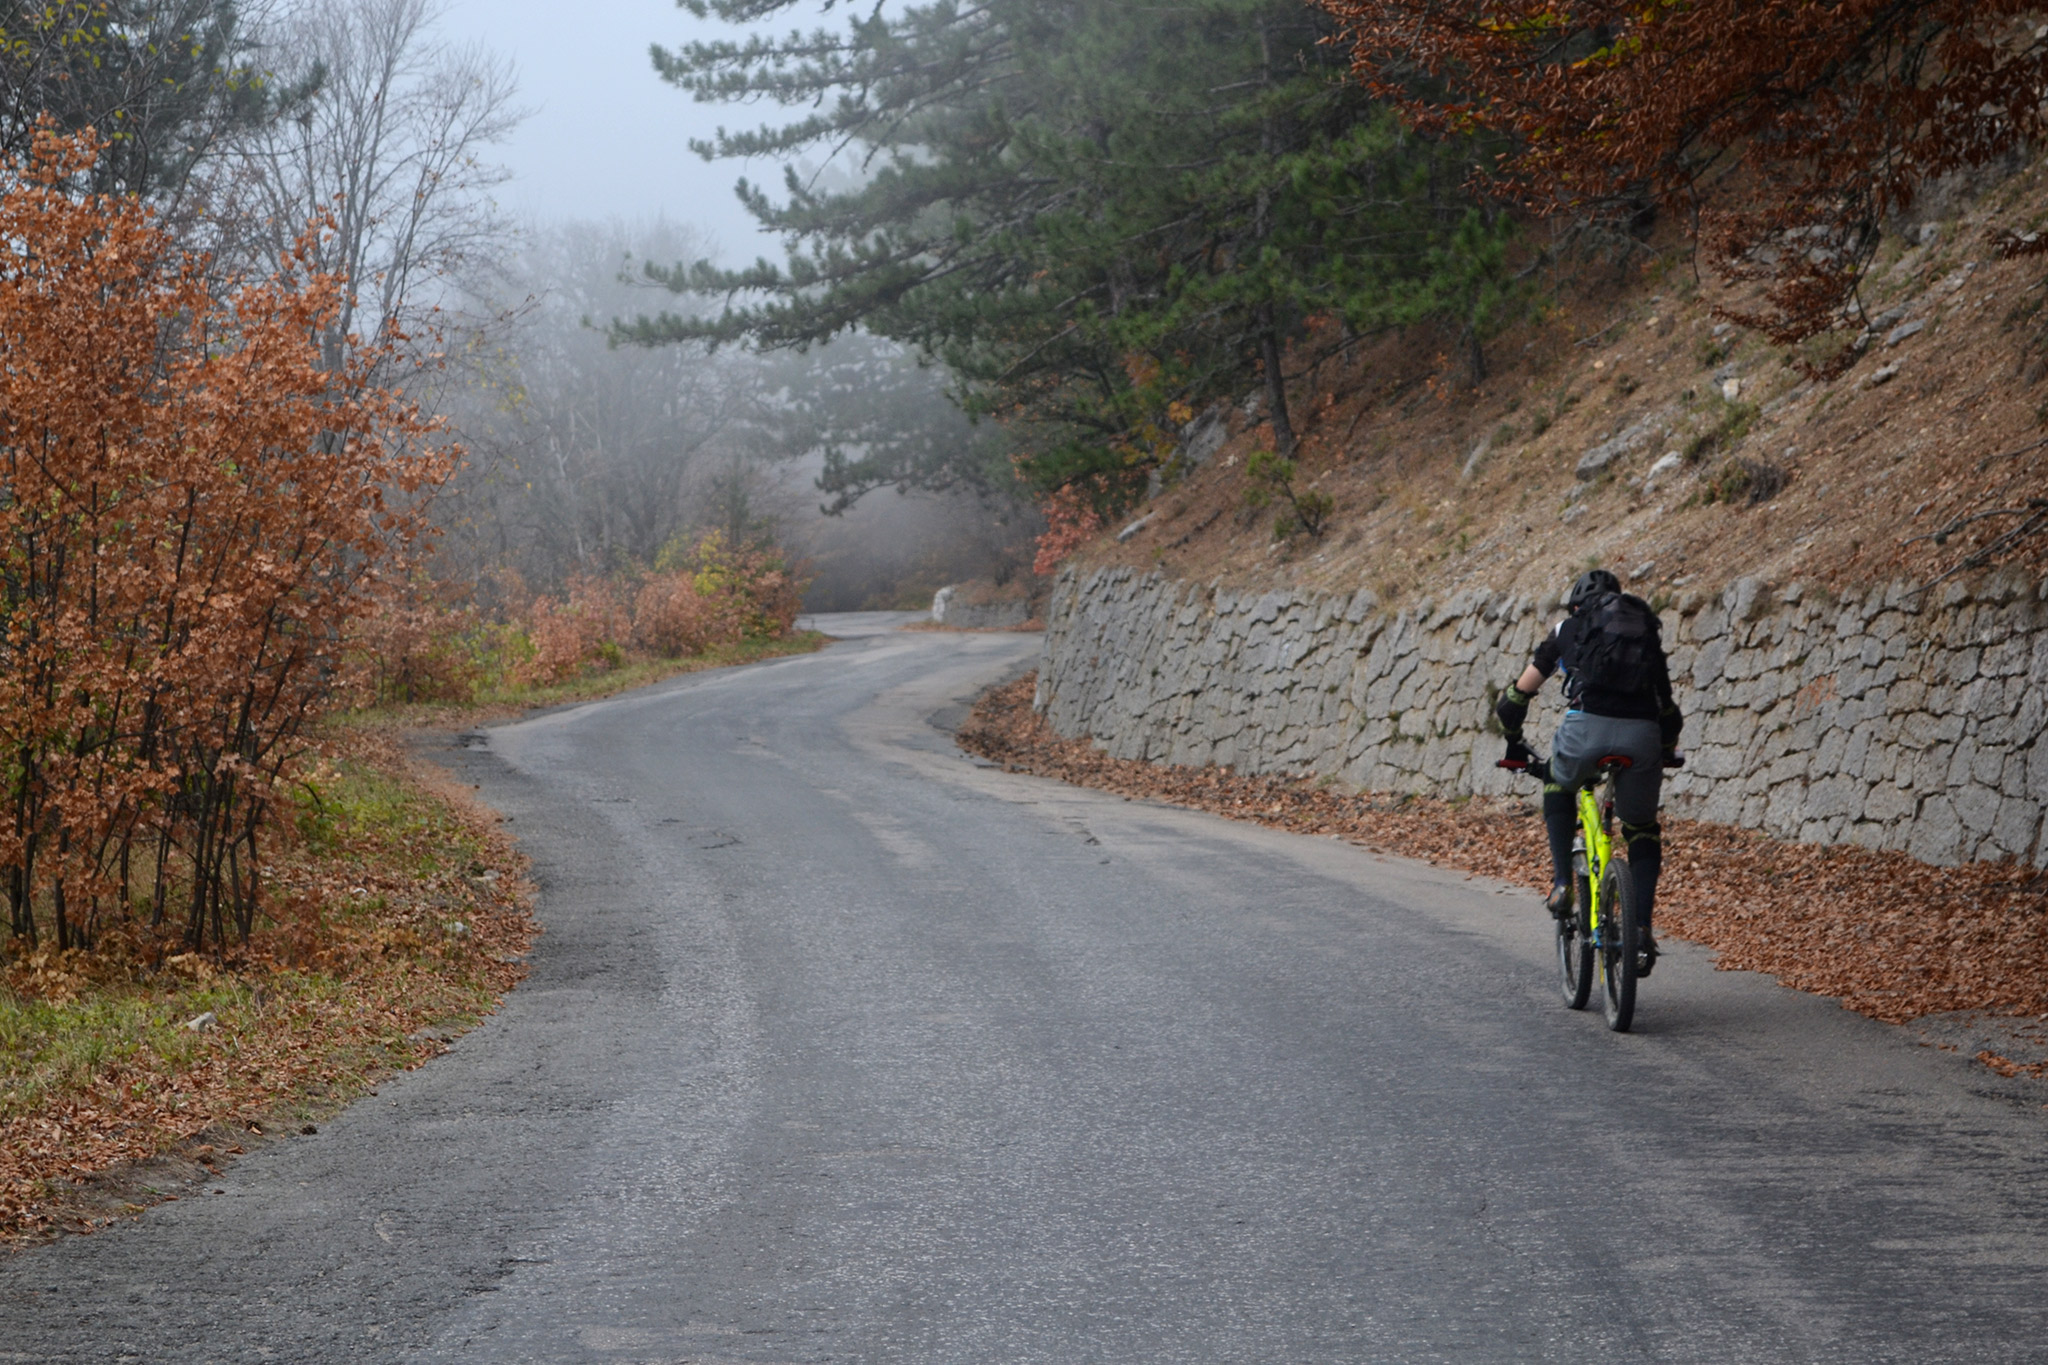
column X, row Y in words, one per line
column 1645, row 844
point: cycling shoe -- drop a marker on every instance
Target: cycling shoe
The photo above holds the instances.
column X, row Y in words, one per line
column 1560, row 902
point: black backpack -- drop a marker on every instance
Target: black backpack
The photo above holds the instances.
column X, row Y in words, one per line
column 1619, row 639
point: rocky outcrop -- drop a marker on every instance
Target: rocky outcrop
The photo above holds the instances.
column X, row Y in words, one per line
column 1888, row 719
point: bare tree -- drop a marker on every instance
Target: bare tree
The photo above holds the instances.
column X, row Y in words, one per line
column 585, row 458
column 389, row 140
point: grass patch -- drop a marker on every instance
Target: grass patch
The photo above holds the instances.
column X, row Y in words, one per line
column 396, row 920
column 504, row 698
column 1724, row 426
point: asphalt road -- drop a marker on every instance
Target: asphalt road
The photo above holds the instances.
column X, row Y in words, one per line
column 841, row 1047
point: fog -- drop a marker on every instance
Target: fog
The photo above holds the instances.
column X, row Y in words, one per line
column 586, row 457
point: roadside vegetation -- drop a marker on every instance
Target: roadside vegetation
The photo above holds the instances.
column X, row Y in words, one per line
column 1390, row 267
column 304, row 441
column 395, row 916
column 226, row 466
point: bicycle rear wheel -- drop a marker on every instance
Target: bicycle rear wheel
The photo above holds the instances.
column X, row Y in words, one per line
column 1618, row 938
column 1575, row 947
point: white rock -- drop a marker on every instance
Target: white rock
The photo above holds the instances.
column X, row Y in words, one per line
column 1666, row 462
column 1904, row 330
column 940, row 601
column 1595, row 461
column 1731, row 389
column 1203, row 437
column 1140, row 524
column 202, row 1023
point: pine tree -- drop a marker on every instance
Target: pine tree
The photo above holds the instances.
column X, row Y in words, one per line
column 1099, row 216
column 160, row 81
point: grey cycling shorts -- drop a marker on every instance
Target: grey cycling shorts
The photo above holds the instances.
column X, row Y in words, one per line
column 1582, row 740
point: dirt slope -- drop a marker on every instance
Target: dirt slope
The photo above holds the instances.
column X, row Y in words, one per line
column 1563, row 456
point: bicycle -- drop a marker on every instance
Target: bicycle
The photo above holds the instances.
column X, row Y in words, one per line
column 1600, row 934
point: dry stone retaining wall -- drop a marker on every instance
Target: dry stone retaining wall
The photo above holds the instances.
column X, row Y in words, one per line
column 1884, row 719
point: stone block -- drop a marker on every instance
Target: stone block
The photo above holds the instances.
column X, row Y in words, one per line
column 1987, row 768
column 1723, row 805
column 2009, row 659
column 1956, row 666
column 2013, row 831
column 1962, row 756
column 1710, row 665
column 1888, row 803
column 1832, row 795
column 1937, row 832
column 1785, row 808
column 1928, row 769
column 1742, row 598
column 1977, row 808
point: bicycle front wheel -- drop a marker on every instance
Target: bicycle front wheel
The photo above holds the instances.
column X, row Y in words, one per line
column 1619, row 935
column 1575, row 947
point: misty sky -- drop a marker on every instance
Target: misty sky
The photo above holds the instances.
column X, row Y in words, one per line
column 607, row 137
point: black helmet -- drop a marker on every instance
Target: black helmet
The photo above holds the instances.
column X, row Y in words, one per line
column 1593, row 583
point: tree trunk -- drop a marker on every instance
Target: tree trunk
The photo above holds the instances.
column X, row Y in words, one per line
column 1276, row 386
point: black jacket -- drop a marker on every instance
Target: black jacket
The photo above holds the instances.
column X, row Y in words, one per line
column 1653, row 702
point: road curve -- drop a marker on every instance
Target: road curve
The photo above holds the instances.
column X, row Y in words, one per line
column 842, row 1047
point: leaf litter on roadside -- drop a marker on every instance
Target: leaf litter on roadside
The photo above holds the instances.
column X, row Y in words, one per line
column 1889, row 937
column 399, row 918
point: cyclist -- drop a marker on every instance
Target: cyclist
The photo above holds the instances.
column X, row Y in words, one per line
column 1617, row 701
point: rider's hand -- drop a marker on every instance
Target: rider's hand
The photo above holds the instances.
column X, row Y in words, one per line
column 1518, row 755
column 1511, row 710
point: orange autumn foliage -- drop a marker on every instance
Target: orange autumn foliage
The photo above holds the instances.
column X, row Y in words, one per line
column 1785, row 134
column 193, row 512
column 1070, row 521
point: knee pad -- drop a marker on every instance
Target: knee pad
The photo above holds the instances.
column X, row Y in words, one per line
column 1652, row 833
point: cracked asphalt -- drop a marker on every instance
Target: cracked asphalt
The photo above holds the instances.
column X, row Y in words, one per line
column 841, row 1046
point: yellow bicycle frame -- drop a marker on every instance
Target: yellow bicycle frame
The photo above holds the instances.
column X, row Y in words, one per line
column 1598, row 850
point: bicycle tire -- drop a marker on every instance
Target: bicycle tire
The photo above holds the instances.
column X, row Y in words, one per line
column 1618, row 938
column 1575, row 948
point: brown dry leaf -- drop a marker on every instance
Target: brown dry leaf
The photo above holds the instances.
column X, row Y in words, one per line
column 1889, row 937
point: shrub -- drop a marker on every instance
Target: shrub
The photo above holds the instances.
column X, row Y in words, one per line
column 196, row 511
column 672, row 619
column 420, row 648
column 1745, row 481
column 575, row 637
column 754, row 593
column 1270, row 477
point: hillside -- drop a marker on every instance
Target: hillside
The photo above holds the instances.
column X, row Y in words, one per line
column 1633, row 428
